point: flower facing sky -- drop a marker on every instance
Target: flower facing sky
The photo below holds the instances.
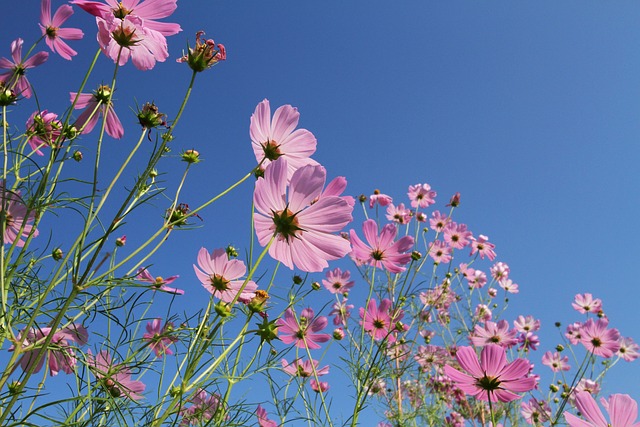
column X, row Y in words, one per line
column 15, row 78
column 381, row 251
column 219, row 276
column 302, row 230
column 303, row 369
column 337, row 281
column 491, row 378
column 622, row 410
column 303, row 332
column 599, row 340
column 158, row 282
column 54, row 35
column 380, row 321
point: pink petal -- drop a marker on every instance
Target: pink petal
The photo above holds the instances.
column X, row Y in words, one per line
column 623, row 410
column 62, row 14
column 589, row 408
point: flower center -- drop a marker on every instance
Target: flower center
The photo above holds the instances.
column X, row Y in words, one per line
column 377, row 255
column 219, row 283
column 488, row 383
column 596, row 342
column 51, row 32
column 271, row 150
column 103, row 93
column 337, row 285
column 286, row 224
column 378, row 324
column 159, row 281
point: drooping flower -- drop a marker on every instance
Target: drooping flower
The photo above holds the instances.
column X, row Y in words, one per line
column 15, row 78
column 18, row 218
column 494, row 333
column 556, row 362
column 115, row 378
column 421, row 195
column 219, row 275
column 598, row 339
column 159, row 337
column 586, row 303
column 303, row 332
column 492, row 378
column 304, row 369
column 341, row 312
column 158, row 282
column 319, row 386
column 43, row 130
column 263, row 420
column 278, row 137
column 54, row 35
column 302, row 231
column 204, row 55
column 622, row 410
column 482, row 246
column 382, row 251
column 379, row 198
column 95, row 105
column 381, row 321
column 204, row 407
column 59, row 355
column 338, row 282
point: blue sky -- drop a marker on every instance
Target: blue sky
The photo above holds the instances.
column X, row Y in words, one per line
column 530, row 109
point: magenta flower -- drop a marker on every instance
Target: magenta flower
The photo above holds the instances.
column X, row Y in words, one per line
column 381, row 321
column 421, row 195
column 382, row 251
column 598, row 339
column 303, row 332
column 302, row 230
column 586, row 303
column 204, row 407
column 16, row 78
column 95, row 105
column 303, row 369
column 457, row 235
column 535, row 411
column 494, row 333
column 159, row 337
column 438, row 221
column 492, row 378
column 622, row 410
column 219, row 276
column 399, row 214
column 54, row 35
column 556, row 362
column 319, row 386
column 18, row 218
column 338, row 282
column 116, row 379
column 263, row 420
column 60, row 355
column 43, row 130
column 158, row 282
column 341, row 312
column 482, row 246
column 278, row 137
column 128, row 29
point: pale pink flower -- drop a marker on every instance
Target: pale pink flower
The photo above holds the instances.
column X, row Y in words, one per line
column 574, row 333
column 263, row 420
column 622, row 410
column 454, row 420
column 159, row 337
column 628, row 350
column 398, row 214
column 509, row 286
column 304, row 369
column 43, row 130
column 341, row 312
column 203, row 409
column 438, row 221
column 319, row 386
column 18, row 218
column 585, row 384
column 585, row 303
column 15, row 78
column 278, row 137
column 382, row 251
column 526, row 324
column 556, row 361
column 303, row 332
column 483, row 313
column 59, row 355
column 379, row 198
column 476, row 278
column 421, row 195
column 440, row 252
column 492, row 378
column 219, row 275
column 381, row 321
column 500, row 271
column 159, row 282
column 598, row 339
column 482, row 246
column 338, row 282
column 430, row 356
column 493, row 333
column 302, row 231
column 535, row 411
column 116, row 379
column 336, row 187
column 97, row 104
column 457, row 235
column 54, row 35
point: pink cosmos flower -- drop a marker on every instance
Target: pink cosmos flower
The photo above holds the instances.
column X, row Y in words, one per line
column 382, row 251
column 483, row 313
column 585, row 384
column 303, row 230
column 622, row 410
column 528, row 341
column 319, row 386
column 438, row 221
column 574, row 332
column 116, row 379
column 476, row 278
column 482, row 246
column 341, row 312
column 263, row 421
column 54, row 35
column 379, row 198
column 303, row 332
column 18, row 219
column 509, row 286
column 556, row 362
column 457, row 235
column 500, row 271
column 440, row 252
column 159, row 282
column 381, row 321
column 15, row 78
column 204, row 407
column 338, row 282
column 526, row 324
column 491, row 379
column 128, row 29
column 43, row 130
column 598, row 339
column 421, row 195
column 336, row 187
column 219, row 276
column 628, row 350
column 303, row 369
column 278, row 137
column 95, row 105
column 159, row 337
column 494, row 333
column 585, row 303
column 535, row 411
column 60, row 355
column 399, row 214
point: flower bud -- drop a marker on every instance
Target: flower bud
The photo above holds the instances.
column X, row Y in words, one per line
column 77, row 156
column 455, row 201
column 191, row 156
column 338, row 334
column 416, row 255
column 257, row 303
column 559, row 348
column 315, row 286
column 7, row 96
column 57, row 254
column 297, row 280
column 231, row 252
column 362, row 198
column 121, row 241
column 222, row 309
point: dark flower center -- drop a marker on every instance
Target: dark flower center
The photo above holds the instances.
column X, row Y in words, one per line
column 488, row 383
column 121, row 11
column 286, row 223
column 596, row 342
column 377, row 255
column 219, row 283
column 271, row 150
column 378, row 324
column 51, row 32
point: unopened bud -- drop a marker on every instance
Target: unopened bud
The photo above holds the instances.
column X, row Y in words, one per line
column 231, row 252
column 77, row 156
column 315, row 286
column 338, row 334
column 415, row 255
column 57, row 254
column 121, row 241
column 222, row 309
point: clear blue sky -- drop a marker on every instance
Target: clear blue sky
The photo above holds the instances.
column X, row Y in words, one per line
column 530, row 109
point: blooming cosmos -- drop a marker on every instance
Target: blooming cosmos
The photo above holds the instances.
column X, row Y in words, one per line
column 128, row 29
column 303, row 332
column 556, row 362
column 302, row 230
column 492, row 378
column 17, row 217
column 43, row 130
column 95, row 105
column 381, row 321
column 599, row 340
column 535, row 411
column 494, row 333
column 421, row 195
column 54, row 35
column 204, row 407
column 15, row 78
column 59, row 354
column 278, row 137
column 219, row 275
column 586, row 303
column 116, row 379
column 622, row 410
column 263, row 420
column 159, row 337
column 304, row 369
column 159, row 282
column 382, row 251
column 338, row 282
